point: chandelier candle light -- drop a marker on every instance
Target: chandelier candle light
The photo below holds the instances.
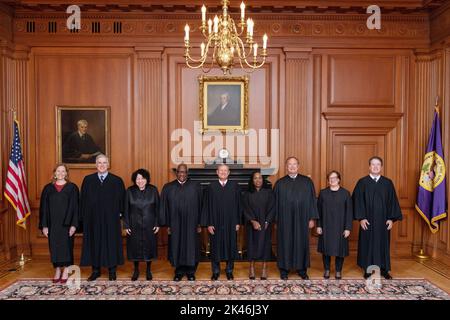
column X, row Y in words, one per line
column 223, row 39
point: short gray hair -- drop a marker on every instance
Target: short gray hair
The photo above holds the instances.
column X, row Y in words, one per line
column 82, row 121
column 101, row 155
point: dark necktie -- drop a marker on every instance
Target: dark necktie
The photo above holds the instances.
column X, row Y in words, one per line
column 375, row 179
column 102, row 178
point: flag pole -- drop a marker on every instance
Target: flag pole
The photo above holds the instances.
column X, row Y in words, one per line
column 421, row 254
column 22, row 259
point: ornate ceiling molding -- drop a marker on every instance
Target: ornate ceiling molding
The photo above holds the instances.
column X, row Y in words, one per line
column 254, row 6
column 298, row 26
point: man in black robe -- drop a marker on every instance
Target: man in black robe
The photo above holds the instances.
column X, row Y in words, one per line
column 101, row 206
column 222, row 215
column 181, row 202
column 376, row 207
column 79, row 146
column 296, row 210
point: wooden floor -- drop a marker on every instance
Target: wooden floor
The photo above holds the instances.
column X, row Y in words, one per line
column 435, row 272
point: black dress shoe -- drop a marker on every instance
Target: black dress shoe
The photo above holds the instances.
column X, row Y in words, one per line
column 263, row 278
column 304, row 276
column 177, row 277
column 366, row 275
column 215, row 276
column 230, row 276
column 94, row 276
column 251, row 277
column 387, row 276
column 326, row 274
column 338, row 276
column 284, row 277
column 135, row 275
column 112, row 276
column 149, row 276
column 191, row 277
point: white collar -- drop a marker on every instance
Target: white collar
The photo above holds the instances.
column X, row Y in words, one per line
column 181, row 182
column 375, row 177
column 102, row 174
column 223, row 182
column 293, row 176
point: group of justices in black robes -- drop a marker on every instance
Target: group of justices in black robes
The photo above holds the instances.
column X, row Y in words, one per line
column 374, row 204
column 221, row 208
column 98, row 212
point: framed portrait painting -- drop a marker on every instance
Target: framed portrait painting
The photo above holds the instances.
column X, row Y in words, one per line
column 224, row 103
column 82, row 134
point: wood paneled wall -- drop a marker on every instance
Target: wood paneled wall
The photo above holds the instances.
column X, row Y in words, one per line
column 337, row 93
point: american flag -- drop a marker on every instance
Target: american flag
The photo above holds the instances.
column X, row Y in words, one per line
column 16, row 186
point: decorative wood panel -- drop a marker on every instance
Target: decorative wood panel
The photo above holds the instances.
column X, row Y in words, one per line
column 357, row 81
column 150, row 146
column 298, row 130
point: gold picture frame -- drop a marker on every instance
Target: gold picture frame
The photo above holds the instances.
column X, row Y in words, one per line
column 223, row 103
column 82, row 132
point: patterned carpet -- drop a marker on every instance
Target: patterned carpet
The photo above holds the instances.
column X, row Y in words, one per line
column 398, row 289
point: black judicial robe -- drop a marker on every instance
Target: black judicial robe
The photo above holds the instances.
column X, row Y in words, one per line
column 181, row 206
column 377, row 202
column 335, row 216
column 101, row 206
column 259, row 206
column 222, row 210
column 75, row 146
column 58, row 211
column 141, row 216
column 296, row 204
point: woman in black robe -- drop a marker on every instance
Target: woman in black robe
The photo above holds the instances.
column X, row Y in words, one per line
column 334, row 224
column 58, row 220
column 141, row 221
column 258, row 205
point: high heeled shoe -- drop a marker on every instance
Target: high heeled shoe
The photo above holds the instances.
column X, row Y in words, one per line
column 264, row 272
column 251, row 272
column 57, row 280
column 54, row 280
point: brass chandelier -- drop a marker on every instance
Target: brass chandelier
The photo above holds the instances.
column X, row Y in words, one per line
column 223, row 40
